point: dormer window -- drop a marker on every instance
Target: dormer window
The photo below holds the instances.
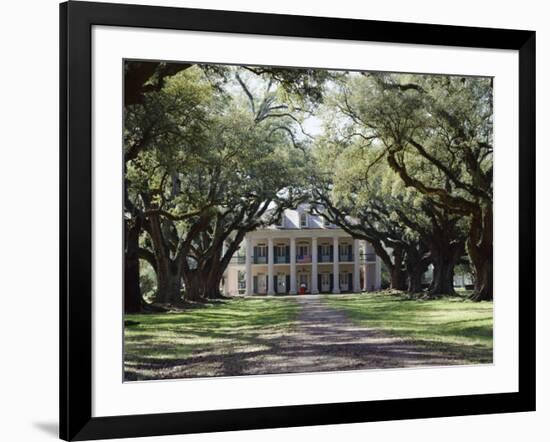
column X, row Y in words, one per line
column 326, row 222
column 303, row 220
column 280, row 222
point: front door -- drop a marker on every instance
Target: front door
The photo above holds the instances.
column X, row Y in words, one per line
column 281, row 283
column 344, row 281
column 262, row 283
column 303, row 281
column 325, row 282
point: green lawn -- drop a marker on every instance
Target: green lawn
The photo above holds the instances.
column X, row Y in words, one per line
column 453, row 325
column 156, row 342
column 269, row 334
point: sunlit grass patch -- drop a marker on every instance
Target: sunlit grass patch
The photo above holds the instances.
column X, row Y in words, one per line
column 454, row 325
column 229, row 327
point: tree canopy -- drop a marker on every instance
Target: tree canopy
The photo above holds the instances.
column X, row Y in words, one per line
column 435, row 133
column 212, row 152
column 212, row 165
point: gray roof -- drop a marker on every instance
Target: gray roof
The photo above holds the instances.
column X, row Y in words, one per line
column 291, row 219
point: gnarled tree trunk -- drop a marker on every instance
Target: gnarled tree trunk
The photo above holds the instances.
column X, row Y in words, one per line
column 132, row 293
column 483, row 288
column 212, row 289
column 169, row 282
column 415, row 271
column 194, row 285
column 201, row 285
column 416, row 264
column 398, row 279
column 445, row 256
column 398, row 275
column 168, row 269
column 414, row 280
column 443, row 277
column 480, row 250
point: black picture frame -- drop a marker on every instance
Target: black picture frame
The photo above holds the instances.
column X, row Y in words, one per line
column 76, row 21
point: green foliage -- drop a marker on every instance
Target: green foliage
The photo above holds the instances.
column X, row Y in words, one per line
column 437, row 129
column 215, row 151
column 210, row 156
column 405, row 161
column 147, row 281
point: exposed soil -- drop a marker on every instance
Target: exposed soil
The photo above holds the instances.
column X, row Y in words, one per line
column 324, row 339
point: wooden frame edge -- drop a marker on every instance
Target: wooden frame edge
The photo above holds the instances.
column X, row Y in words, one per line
column 76, row 422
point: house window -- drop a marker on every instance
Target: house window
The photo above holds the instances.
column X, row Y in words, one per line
column 281, row 254
column 325, row 253
column 303, row 220
column 345, row 251
column 262, row 250
column 326, row 222
column 303, row 250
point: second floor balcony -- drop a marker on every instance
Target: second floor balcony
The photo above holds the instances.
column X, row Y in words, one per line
column 260, row 260
column 282, row 259
column 306, row 258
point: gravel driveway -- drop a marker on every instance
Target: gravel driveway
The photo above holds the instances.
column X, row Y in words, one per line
column 324, row 339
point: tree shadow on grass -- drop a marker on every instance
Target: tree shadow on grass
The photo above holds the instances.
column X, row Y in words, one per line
column 275, row 358
column 325, row 341
column 220, row 315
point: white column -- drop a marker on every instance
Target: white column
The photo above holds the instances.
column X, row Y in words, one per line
column 292, row 266
column 270, row 289
column 365, row 269
column 248, row 267
column 378, row 273
column 314, row 278
column 356, row 264
column 335, row 266
column 226, row 273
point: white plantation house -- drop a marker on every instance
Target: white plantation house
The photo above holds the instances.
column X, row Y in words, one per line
column 302, row 254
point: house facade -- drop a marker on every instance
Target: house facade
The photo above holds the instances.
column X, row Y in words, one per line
column 302, row 254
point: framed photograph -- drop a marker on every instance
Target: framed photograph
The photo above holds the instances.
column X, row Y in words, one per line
column 272, row 221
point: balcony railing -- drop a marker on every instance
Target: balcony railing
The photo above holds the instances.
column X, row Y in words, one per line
column 276, row 259
column 304, row 259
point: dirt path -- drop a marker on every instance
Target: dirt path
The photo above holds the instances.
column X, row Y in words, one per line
column 324, row 339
